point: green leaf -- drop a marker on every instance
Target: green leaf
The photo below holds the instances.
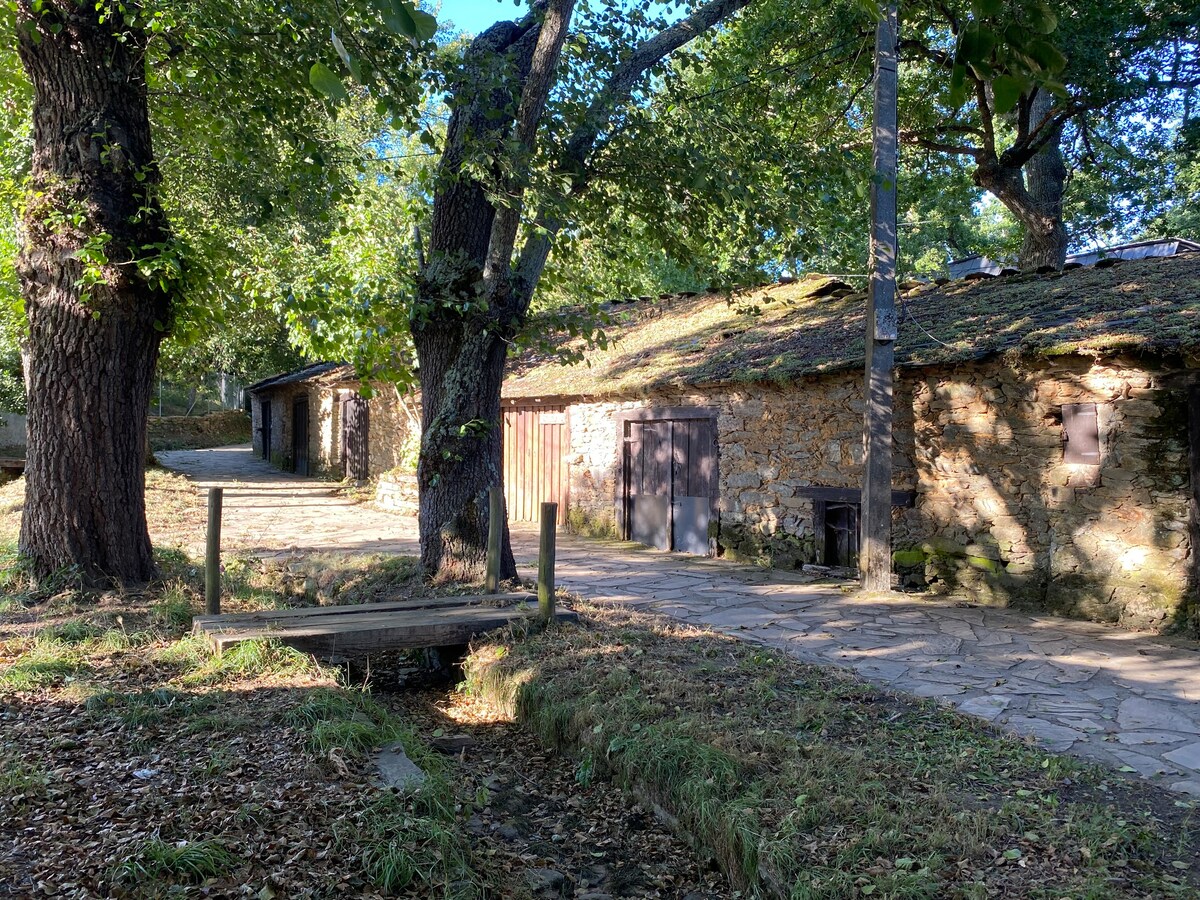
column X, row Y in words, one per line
column 987, row 8
column 322, row 78
column 1014, row 853
column 1046, row 55
column 401, row 19
column 958, row 85
column 349, row 61
column 1007, row 90
column 1042, row 18
column 426, row 24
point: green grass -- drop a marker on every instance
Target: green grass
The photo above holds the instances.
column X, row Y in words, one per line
column 244, row 661
column 45, row 663
column 418, row 843
column 804, row 782
column 350, row 721
column 147, row 707
column 187, row 862
column 402, row 841
column 19, row 776
column 173, row 612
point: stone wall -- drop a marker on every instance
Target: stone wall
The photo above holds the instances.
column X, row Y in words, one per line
column 398, row 493
column 218, row 429
column 998, row 514
column 391, row 421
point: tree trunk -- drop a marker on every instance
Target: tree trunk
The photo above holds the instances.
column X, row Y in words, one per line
column 1045, row 242
column 470, row 302
column 461, row 449
column 461, row 345
column 1033, row 193
column 95, row 323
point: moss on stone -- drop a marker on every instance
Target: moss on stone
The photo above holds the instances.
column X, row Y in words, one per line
column 779, row 551
column 580, row 521
column 908, row 559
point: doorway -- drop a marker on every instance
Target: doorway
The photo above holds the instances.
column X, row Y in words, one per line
column 356, row 424
column 300, row 435
column 841, row 534
column 265, row 430
column 536, row 443
column 670, row 478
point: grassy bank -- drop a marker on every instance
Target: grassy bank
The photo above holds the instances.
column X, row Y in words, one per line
column 802, row 782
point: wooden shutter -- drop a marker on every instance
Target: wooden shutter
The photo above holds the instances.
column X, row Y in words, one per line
column 1081, row 434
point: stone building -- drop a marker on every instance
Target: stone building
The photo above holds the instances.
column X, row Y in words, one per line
column 318, row 421
column 1042, row 452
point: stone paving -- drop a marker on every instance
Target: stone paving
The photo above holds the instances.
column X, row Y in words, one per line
column 1129, row 700
column 269, row 513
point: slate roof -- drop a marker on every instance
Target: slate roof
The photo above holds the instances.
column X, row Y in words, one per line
column 781, row 333
column 305, row 373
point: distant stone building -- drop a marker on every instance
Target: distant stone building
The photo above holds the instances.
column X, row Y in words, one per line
column 317, row 421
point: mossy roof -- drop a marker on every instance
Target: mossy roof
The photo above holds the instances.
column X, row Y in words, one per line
column 781, row 333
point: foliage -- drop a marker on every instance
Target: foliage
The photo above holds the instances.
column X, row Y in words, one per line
column 186, row 861
column 761, row 149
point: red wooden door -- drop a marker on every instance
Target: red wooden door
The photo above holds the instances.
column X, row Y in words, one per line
column 536, row 442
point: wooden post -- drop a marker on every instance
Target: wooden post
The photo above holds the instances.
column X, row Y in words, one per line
column 212, row 554
column 875, row 556
column 546, row 561
column 495, row 533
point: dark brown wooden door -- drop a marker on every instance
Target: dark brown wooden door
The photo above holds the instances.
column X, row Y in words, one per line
column 536, row 442
column 671, row 482
column 650, row 471
column 266, row 429
column 841, row 534
column 300, row 436
column 356, row 427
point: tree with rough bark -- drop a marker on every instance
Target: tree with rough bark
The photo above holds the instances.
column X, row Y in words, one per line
column 97, row 305
column 119, row 243
column 488, row 246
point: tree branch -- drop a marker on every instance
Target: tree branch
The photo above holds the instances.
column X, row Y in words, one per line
column 533, row 102
column 580, row 145
column 912, row 137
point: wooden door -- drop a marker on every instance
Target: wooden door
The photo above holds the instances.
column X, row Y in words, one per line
column 693, row 483
column 650, row 469
column 265, row 429
column 300, row 436
column 670, row 482
column 356, row 427
column 536, row 442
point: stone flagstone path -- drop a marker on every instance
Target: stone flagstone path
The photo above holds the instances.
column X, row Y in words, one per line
column 1129, row 700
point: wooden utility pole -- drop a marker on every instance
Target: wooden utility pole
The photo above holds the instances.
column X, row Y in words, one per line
column 875, row 555
column 491, row 582
column 546, row 554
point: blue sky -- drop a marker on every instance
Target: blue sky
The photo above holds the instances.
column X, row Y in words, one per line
column 476, row 15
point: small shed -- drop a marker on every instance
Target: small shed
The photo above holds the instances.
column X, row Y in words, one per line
column 319, row 420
